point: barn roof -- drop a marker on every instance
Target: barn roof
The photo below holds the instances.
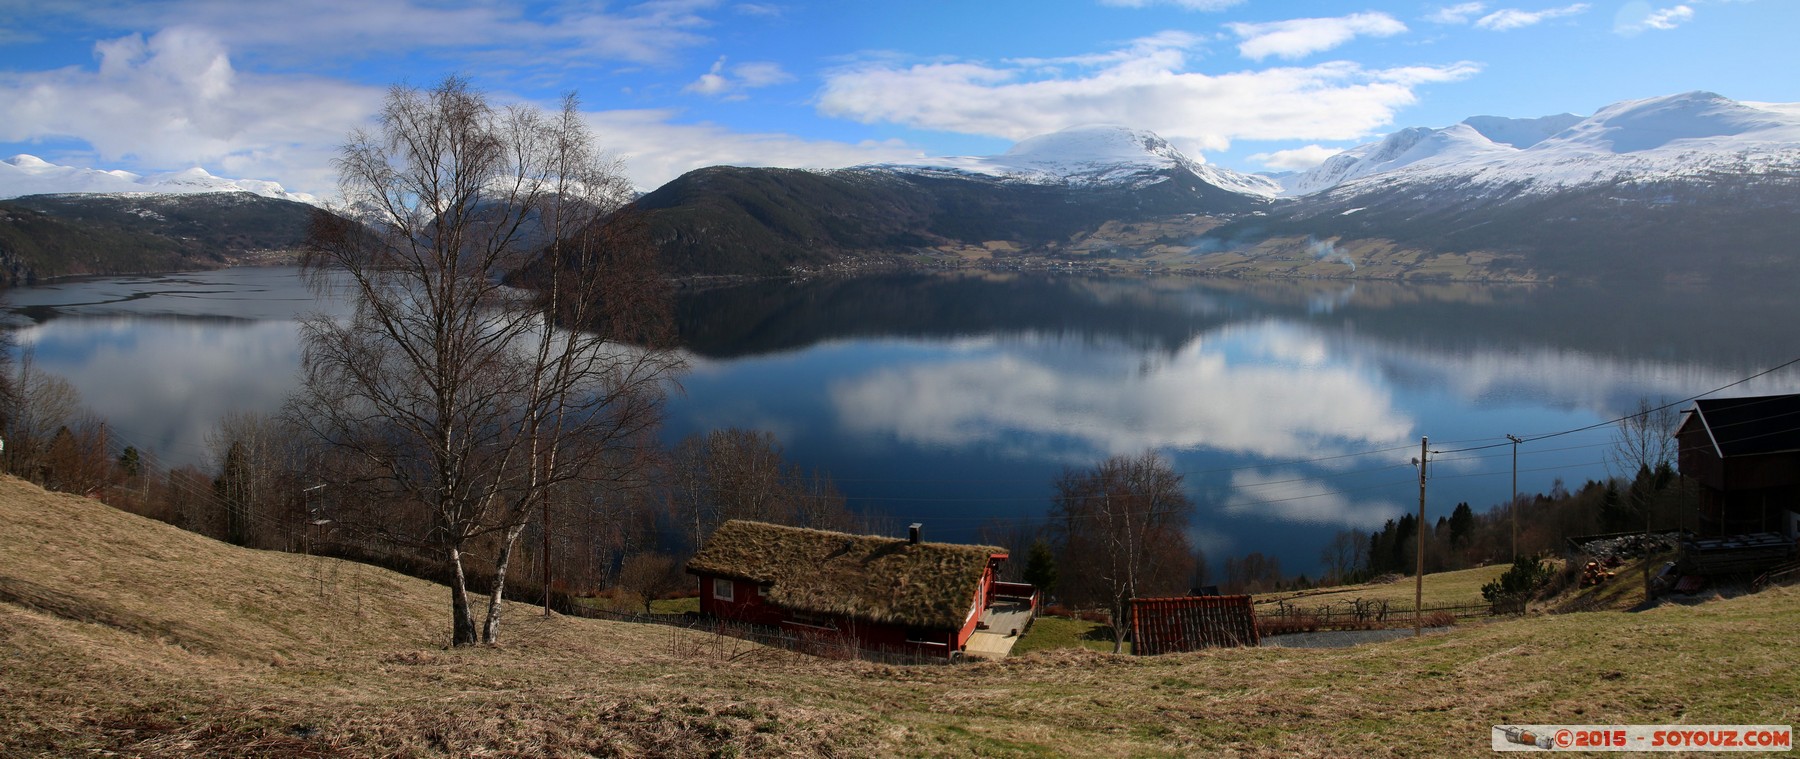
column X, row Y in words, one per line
column 1170, row 625
column 1749, row 426
column 885, row 580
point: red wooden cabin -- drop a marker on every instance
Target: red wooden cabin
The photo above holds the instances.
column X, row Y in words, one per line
column 898, row 595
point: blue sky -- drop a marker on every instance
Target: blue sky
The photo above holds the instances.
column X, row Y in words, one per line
column 267, row 90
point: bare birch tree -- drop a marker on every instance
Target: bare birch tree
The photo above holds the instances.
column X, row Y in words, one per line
column 42, row 404
column 509, row 332
column 1645, row 440
column 1122, row 527
column 736, row 473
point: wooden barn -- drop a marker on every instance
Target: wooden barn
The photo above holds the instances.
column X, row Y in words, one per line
column 899, row 595
column 1745, row 454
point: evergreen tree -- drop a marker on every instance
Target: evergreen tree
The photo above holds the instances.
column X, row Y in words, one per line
column 130, row 462
column 1040, row 567
column 1462, row 525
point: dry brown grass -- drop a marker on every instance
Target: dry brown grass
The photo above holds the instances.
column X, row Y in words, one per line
column 137, row 639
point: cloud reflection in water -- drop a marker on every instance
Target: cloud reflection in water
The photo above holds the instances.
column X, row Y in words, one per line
column 1264, row 389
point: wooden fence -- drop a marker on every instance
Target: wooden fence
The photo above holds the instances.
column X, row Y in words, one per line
column 825, row 645
column 1361, row 614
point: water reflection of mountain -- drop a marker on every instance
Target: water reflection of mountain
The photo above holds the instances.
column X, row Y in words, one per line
column 768, row 317
column 1678, row 325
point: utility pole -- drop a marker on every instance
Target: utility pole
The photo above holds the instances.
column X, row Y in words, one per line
column 1514, row 506
column 1419, row 573
column 1649, row 593
column 546, row 505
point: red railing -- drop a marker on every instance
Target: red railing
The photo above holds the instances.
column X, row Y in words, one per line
column 1017, row 590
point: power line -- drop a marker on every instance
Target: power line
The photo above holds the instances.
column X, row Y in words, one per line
column 1610, row 422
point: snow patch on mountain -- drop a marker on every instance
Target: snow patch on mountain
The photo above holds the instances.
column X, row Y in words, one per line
column 29, row 175
column 1521, row 133
column 1407, row 147
column 1088, row 155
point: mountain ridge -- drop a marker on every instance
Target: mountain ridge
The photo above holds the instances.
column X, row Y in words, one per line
column 1649, row 139
column 25, row 174
column 1687, row 187
column 1693, row 185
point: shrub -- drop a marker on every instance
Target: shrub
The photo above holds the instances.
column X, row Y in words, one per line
column 1520, row 582
column 1282, row 624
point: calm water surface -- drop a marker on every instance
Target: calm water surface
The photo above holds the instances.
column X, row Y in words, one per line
column 1293, row 408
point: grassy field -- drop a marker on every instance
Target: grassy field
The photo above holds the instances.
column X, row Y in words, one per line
column 675, row 605
column 126, row 636
column 1049, row 633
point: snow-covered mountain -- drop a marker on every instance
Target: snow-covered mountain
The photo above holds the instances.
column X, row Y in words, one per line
column 23, row 175
column 1692, row 188
column 1689, row 135
column 1098, row 155
column 1416, row 146
column 1692, row 134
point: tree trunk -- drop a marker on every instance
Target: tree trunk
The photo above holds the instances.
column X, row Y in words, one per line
column 1118, row 626
column 490, row 630
column 462, row 617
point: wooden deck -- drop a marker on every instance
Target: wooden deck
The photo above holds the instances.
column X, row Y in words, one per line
column 1006, row 619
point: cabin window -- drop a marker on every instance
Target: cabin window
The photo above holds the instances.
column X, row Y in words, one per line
column 722, row 589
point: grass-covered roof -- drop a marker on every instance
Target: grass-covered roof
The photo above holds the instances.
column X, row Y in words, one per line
column 885, row 580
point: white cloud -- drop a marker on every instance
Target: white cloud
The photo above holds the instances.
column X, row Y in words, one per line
column 647, row 32
column 1300, row 37
column 1637, row 17
column 712, row 82
column 1192, row 5
column 1286, row 497
column 175, row 101
column 656, row 148
column 1512, row 18
column 1460, row 13
column 1669, row 18
column 1295, row 159
column 758, row 9
column 743, row 76
column 1143, row 85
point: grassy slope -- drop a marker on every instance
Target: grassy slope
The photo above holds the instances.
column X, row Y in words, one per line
column 1462, row 586
column 122, row 634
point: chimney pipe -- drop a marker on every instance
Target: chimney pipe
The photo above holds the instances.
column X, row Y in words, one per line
column 912, row 533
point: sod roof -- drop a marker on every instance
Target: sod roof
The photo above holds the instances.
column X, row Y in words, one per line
column 884, row 580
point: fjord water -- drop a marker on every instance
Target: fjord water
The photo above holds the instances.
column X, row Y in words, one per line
column 1293, row 407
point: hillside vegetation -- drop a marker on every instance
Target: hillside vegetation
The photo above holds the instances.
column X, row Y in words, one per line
column 63, row 235
column 126, row 635
column 1458, row 587
column 730, row 220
